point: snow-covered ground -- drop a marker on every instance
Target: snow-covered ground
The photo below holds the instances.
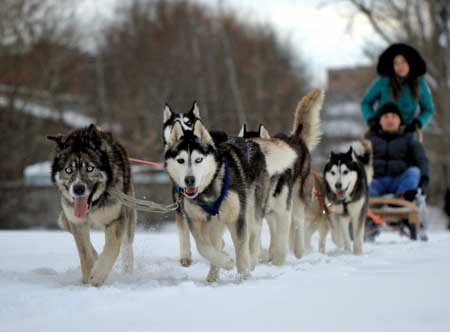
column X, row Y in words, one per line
column 397, row 285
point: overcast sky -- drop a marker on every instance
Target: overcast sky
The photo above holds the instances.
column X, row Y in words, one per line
column 319, row 29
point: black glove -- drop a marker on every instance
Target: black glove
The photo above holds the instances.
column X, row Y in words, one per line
column 374, row 124
column 423, row 184
column 413, row 126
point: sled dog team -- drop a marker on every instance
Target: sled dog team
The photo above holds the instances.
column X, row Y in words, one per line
column 222, row 183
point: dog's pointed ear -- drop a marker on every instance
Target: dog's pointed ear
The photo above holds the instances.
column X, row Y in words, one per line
column 350, row 152
column 94, row 134
column 202, row 134
column 176, row 134
column 195, row 109
column 243, row 130
column 332, row 155
column 263, row 132
column 167, row 113
column 58, row 139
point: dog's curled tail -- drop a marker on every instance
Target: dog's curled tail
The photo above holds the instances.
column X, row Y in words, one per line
column 307, row 118
column 362, row 151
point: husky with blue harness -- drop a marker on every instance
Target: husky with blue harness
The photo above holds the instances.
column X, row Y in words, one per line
column 219, row 182
column 187, row 121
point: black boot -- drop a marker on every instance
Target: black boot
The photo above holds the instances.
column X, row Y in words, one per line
column 410, row 195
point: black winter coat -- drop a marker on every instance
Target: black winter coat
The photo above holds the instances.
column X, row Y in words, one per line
column 393, row 153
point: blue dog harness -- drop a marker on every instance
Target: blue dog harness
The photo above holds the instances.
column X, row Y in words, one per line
column 213, row 208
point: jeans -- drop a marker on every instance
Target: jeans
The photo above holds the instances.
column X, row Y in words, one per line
column 409, row 179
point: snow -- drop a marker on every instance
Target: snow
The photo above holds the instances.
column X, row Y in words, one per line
column 397, row 285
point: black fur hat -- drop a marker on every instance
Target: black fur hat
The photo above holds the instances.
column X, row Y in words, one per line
column 417, row 65
column 389, row 108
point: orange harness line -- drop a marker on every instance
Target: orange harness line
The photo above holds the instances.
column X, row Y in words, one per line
column 376, row 218
column 151, row 163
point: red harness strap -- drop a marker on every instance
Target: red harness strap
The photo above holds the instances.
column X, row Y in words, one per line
column 321, row 200
column 320, row 197
column 151, row 163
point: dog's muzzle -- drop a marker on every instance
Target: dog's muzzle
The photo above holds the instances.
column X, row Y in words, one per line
column 340, row 193
column 190, row 190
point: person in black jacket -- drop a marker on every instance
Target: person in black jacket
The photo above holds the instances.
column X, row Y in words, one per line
column 399, row 160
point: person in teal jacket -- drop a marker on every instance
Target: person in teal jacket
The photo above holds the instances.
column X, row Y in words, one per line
column 401, row 80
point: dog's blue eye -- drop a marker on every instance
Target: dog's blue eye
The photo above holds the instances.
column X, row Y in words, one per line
column 180, row 160
column 68, row 170
column 89, row 168
column 199, row 160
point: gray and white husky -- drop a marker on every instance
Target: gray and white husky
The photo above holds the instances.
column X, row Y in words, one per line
column 341, row 197
column 89, row 163
column 219, row 184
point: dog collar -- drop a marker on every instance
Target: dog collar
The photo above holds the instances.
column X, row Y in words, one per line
column 213, row 208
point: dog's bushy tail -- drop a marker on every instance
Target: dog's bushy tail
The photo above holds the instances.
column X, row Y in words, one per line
column 307, row 119
column 362, row 151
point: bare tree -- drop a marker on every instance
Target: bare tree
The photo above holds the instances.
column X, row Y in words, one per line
column 39, row 60
column 179, row 51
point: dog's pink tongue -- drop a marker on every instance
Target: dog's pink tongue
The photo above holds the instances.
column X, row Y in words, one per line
column 81, row 206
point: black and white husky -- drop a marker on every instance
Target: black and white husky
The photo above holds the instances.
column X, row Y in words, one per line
column 341, row 196
column 87, row 166
column 219, row 183
column 187, row 121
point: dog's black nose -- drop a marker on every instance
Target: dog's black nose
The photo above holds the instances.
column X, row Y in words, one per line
column 338, row 185
column 79, row 189
column 190, row 181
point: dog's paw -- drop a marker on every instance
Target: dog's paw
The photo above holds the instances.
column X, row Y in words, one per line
column 244, row 275
column 278, row 257
column 98, row 275
column 213, row 275
column 186, row 262
column 278, row 260
column 299, row 253
column 229, row 263
column 85, row 279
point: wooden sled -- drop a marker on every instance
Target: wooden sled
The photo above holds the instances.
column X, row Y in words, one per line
column 397, row 208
